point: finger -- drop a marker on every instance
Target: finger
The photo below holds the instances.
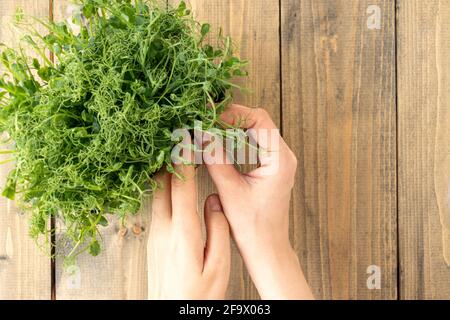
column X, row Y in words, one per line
column 217, row 251
column 263, row 133
column 184, row 190
column 226, row 178
column 162, row 205
column 246, row 118
column 221, row 169
column 261, row 126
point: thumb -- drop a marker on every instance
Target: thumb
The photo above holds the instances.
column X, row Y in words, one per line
column 217, row 251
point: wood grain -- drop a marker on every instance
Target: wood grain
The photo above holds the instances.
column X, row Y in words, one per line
column 120, row 272
column 424, row 148
column 335, row 102
column 339, row 116
column 24, row 268
column 254, row 27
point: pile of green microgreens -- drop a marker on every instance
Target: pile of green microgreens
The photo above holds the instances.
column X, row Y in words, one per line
column 89, row 131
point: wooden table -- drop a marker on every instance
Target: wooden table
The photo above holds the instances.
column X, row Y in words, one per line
column 361, row 92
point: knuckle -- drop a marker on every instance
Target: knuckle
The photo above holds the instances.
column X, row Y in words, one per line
column 291, row 162
column 294, row 160
column 219, row 263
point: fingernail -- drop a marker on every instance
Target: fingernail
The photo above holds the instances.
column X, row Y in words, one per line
column 214, row 204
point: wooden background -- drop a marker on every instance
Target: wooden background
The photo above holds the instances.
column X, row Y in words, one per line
column 361, row 92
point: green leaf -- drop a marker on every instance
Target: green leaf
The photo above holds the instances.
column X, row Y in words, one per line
column 139, row 21
column 19, row 15
column 205, row 29
column 181, row 8
column 209, row 51
column 30, row 85
column 94, row 248
column 103, row 221
column 88, row 10
column 36, row 64
column 44, row 73
column 240, row 73
column 9, row 193
column 10, row 189
column 232, row 61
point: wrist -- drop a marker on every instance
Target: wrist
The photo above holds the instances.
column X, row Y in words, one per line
column 276, row 273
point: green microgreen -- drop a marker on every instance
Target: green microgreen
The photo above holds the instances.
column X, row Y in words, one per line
column 90, row 129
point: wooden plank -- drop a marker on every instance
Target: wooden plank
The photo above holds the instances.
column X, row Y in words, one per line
column 254, row 27
column 424, row 148
column 120, row 272
column 339, row 116
column 24, row 268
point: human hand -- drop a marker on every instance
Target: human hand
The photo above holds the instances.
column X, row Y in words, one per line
column 180, row 265
column 257, row 207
